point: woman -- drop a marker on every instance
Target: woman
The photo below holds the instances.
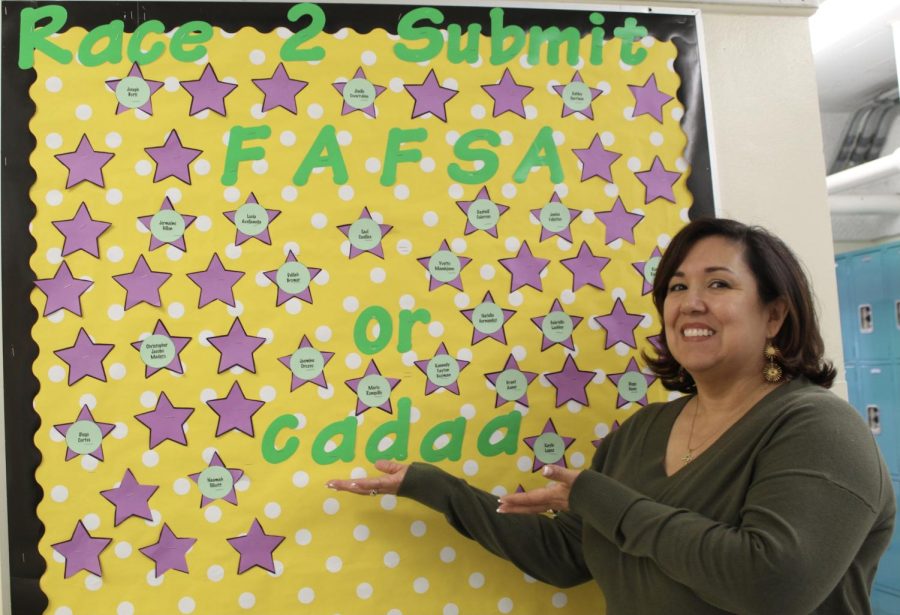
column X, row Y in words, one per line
column 757, row 492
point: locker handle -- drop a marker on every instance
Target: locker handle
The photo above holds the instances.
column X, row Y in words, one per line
column 875, row 370
column 897, row 311
column 874, row 419
column 866, row 322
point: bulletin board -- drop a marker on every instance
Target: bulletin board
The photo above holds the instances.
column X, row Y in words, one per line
column 250, row 247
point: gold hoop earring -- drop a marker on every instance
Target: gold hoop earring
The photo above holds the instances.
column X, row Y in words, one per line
column 772, row 372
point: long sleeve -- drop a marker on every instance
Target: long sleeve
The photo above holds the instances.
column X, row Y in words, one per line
column 817, row 491
column 546, row 548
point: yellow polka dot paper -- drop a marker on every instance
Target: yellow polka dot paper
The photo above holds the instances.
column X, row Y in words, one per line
column 268, row 259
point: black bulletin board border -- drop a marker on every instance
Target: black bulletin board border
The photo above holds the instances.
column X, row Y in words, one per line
column 16, row 209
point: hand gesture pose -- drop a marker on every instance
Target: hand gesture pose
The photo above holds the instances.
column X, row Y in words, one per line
column 386, row 484
column 555, row 496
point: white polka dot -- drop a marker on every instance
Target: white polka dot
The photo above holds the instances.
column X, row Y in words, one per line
column 93, row 582
column 420, row 585
column 461, row 300
column 59, row 494
column 176, row 310
column 427, row 164
column 143, row 167
column 303, row 537
column 378, row 275
column 181, row 486
column 450, row 609
column 331, row 506
column 123, row 549
column 458, row 245
column 315, row 111
column 451, row 137
column 246, row 600
column 306, row 595
column 470, row 468
column 353, row 360
column 401, row 192
column 430, row 218
column 516, row 298
column 505, row 605
column 273, row 510
column 125, row 608
column 334, row 564
column 478, row 112
column 154, row 580
column 404, row 247
column 346, row 193
column 186, row 605
column 150, row 459
column 364, row 591
column 212, row 513
column 677, row 113
column 350, row 304
column 257, row 56
column 418, row 529
column 54, row 198
column 243, row 484
column 435, row 328
column 476, row 580
column 300, row 479
column 391, row 559
column 389, row 502
column 448, row 554
column 84, row 112
column 456, row 191
column 114, row 196
column 260, row 166
column 232, row 251
column 120, row 431
column 368, row 58
column 531, row 112
column 215, row 573
column 53, row 84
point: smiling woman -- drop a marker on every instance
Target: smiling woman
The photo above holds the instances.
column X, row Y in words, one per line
column 758, row 492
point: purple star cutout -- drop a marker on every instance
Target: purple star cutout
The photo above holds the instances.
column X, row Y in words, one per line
column 511, row 383
column 256, row 548
column 82, row 551
column 557, row 327
column 280, row 90
column 235, row 411
column 304, row 365
column 168, row 552
column 556, row 219
column 293, row 280
column 488, row 320
column 549, row 447
column 208, row 92
column 236, row 348
column 647, row 269
column 444, row 368
column 217, row 481
column 85, row 358
column 615, row 427
column 63, row 291
column 362, row 91
column 632, row 382
column 87, row 437
column 577, row 97
column 165, row 422
column 586, row 268
column 619, row 325
column 365, row 235
column 648, row 100
column 81, row 232
column 173, row 159
column 216, row 283
column 444, row 267
column 571, row 383
column 168, row 343
column 658, row 182
column 431, row 97
column 85, row 164
column 655, row 341
column 525, row 268
column 142, row 284
column 373, row 390
column 480, row 213
column 130, row 498
column 131, row 79
column 619, row 222
column 596, row 160
column 508, row 95
column 252, row 221
column 167, row 226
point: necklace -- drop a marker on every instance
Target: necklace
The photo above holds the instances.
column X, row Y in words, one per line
column 689, row 456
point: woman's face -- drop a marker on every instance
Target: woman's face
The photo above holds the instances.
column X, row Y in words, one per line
column 716, row 324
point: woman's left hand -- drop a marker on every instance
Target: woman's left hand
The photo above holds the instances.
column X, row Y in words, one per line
column 554, row 496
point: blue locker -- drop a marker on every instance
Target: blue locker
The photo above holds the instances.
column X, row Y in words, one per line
column 873, row 320
column 877, row 403
column 885, row 602
column 888, row 576
column 892, row 289
column 842, row 269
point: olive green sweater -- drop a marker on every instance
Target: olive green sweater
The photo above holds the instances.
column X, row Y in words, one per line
column 788, row 512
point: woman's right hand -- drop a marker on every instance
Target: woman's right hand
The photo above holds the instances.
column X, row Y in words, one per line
column 386, row 484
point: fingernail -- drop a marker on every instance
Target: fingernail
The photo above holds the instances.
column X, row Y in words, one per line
column 546, row 471
column 330, row 485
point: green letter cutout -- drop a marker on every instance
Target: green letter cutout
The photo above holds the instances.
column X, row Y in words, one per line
column 32, row 39
column 394, row 155
column 408, row 31
column 324, row 152
column 345, row 451
column 361, row 328
column 455, row 429
column 399, row 427
column 272, row 453
column 236, row 153
column 509, row 443
column 463, row 151
column 542, row 153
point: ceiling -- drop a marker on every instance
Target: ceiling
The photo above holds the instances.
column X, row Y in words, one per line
column 853, row 47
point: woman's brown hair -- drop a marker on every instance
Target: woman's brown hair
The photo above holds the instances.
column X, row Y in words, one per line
column 778, row 275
